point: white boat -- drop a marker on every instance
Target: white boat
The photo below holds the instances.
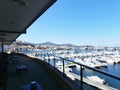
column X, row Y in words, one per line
column 59, row 66
column 67, row 69
column 59, row 63
column 71, row 77
column 96, row 79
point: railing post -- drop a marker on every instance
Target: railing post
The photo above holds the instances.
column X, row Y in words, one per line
column 81, row 77
column 63, row 68
column 44, row 57
column 48, row 58
column 41, row 54
column 54, row 62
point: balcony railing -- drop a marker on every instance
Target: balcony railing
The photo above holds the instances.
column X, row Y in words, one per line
column 63, row 60
column 81, row 70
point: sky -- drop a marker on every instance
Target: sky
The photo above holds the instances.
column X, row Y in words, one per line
column 79, row 22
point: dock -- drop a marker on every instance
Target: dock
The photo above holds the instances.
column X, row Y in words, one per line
column 92, row 83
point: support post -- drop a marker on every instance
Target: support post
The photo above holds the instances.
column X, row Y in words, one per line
column 63, row 68
column 81, row 78
column 48, row 58
column 54, row 62
column 44, row 57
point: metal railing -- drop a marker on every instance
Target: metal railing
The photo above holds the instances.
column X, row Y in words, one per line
column 81, row 70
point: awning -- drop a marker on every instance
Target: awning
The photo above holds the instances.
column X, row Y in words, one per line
column 17, row 15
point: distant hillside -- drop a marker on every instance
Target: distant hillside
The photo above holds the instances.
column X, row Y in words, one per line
column 69, row 45
column 53, row 44
column 48, row 43
column 45, row 43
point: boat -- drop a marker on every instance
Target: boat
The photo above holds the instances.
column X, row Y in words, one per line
column 71, row 77
column 59, row 66
column 59, row 63
column 96, row 79
column 67, row 69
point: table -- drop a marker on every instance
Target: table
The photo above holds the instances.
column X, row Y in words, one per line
column 21, row 68
column 28, row 87
column 15, row 60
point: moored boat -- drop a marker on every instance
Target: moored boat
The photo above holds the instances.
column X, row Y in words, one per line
column 96, row 79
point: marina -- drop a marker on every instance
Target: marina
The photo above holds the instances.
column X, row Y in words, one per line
column 95, row 60
column 70, row 45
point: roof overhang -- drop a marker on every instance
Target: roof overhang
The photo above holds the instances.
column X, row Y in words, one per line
column 17, row 15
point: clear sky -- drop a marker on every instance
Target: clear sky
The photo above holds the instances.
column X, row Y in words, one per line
column 79, row 22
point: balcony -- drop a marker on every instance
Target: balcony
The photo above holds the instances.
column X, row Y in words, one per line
column 36, row 71
column 46, row 75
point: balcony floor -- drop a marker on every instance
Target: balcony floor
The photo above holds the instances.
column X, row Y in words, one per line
column 35, row 73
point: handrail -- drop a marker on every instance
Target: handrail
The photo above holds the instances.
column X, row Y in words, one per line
column 81, row 66
column 81, row 71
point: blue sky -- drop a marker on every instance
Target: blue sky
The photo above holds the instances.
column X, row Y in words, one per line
column 79, row 22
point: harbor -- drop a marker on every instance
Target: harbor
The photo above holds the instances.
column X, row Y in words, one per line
column 69, row 45
column 102, row 60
